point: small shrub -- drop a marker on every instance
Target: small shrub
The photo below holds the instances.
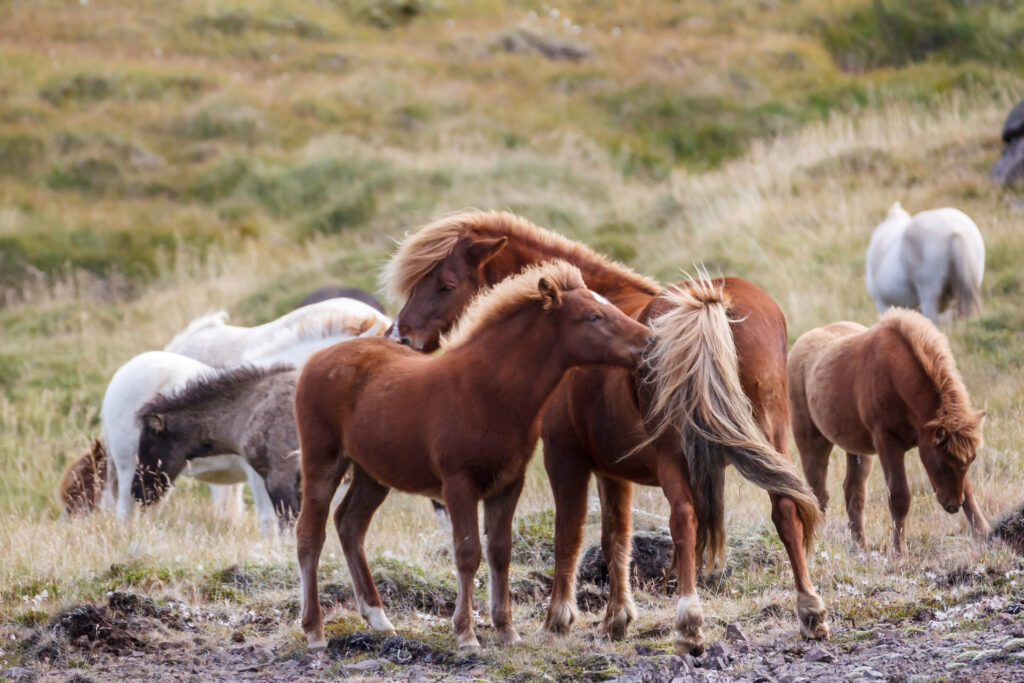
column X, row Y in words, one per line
column 91, row 175
column 77, row 88
column 20, row 153
column 386, row 14
column 533, row 539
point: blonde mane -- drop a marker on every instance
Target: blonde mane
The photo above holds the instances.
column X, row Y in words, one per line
column 423, row 249
column 495, row 302
column 931, row 348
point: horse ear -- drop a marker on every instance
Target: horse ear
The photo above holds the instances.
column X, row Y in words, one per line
column 155, row 422
column 981, row 416
column 941, row 434
column 550, row 294
column 482, row 251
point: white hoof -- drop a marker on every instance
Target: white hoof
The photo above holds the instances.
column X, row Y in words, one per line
column 375, row 617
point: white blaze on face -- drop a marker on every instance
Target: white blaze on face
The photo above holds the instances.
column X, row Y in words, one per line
column 600, row 299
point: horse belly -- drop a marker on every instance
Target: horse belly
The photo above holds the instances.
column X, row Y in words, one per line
column 831, row 400
column 217, row 469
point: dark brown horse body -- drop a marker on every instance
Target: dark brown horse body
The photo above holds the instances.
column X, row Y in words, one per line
column 460, row 428
column 81, row 485
column 593, row 420
column 884, row 390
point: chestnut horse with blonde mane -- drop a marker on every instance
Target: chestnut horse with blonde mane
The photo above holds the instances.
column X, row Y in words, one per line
column 884, row 390
column 714, row 394
column 459, row 427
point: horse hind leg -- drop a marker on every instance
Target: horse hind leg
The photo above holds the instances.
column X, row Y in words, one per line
column 809, row 607
column 352, row 519
column 855, row 488
column 617, row 546
column 674, row 480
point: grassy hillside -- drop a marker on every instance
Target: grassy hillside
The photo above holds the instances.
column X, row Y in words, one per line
column 158, row 161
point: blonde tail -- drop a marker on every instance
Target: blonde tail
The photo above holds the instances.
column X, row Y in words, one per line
column 966, row 297
column 695, row 390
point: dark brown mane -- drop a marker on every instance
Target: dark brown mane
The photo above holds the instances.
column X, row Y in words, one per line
column 210, row 387
column 423, row 249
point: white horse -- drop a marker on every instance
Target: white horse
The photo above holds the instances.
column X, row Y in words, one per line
column 930, row 261
column 209, row 342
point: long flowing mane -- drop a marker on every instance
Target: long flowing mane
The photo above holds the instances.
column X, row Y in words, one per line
column 936, row 358
column 218, row 319
column 209, row 387
column 423, row 249
column 498, row 301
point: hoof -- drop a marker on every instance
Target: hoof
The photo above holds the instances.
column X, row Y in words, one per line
column 378, row 621
column 690, row 645
column 508, row 636
column 813, row 618
column 615, row 625
column 560, row 618
column 468, row 641
column 315, row 641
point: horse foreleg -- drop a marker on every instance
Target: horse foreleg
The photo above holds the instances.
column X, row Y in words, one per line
column 320, row 478
column 352, row 519
column 855, row 489
column 125, row 475
column 461, row 500
column 809, row 607
column 674, row 480
column 498, row 511
column 569, row 478
column 891, row 457
column 979, row 525
column 617, row 546
column 227, row 501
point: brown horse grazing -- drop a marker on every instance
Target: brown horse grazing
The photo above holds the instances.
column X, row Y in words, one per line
column 884, row 390
column 459, row 427
column 81, row 485
column 715, row 393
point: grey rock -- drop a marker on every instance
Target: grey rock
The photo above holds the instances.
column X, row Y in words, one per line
column 18, row 673
column 718, row 650
column 819, row 654
column 1013, row 645
column 1001, row 619
column 734, row 634
column 365, row 666
column 986, row 656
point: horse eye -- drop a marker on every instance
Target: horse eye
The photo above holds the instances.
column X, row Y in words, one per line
column 594, row 317
column 447, row 287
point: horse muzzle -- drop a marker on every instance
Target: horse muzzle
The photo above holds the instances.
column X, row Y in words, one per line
column 952, row 508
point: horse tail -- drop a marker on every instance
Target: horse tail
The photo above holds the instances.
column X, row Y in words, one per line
column 964, row 279
column 695, row 390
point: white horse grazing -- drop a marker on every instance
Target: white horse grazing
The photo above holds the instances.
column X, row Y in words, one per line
column 930, row 261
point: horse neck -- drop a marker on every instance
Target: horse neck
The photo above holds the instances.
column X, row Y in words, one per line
column 628, row 293
column 920, row 396
column 518, row 359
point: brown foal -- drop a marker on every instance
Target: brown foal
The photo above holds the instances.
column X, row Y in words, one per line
column 714, row 394
column 885, row 390
column 459, row 428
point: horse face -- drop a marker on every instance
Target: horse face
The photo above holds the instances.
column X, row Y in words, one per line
column 439, row 298
column 164, row 449
column 595, row 332
column 946, row 471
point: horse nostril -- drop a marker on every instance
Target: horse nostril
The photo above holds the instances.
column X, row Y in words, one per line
column 952, row 508
column 405, row 341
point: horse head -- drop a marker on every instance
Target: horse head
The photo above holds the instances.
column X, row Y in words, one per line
column 592, row 329
column 947, row 452
column 438, row 299
column 164, row 449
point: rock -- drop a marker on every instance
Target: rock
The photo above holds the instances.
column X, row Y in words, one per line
column 1013, row 645
column 819, row 654
column 1015, row 658
column 237, row 637
column 718, row 649
column 734, row 634
column 365, row 666
column 955, row 666
column 986, row 656
column 18, row 673
column 1001, row 619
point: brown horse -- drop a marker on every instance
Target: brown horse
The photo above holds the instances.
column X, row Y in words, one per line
column 884, row 390
column 715, row 394
column 82, row 483
column 459, row 427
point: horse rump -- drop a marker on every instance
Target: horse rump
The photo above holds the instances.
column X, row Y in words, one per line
column 83, row 480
